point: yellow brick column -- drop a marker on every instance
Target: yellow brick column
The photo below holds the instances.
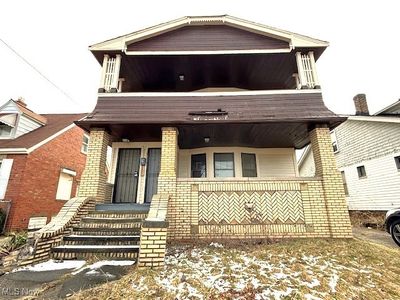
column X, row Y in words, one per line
column 94, row 177
column 325, row 167
column 153, row 237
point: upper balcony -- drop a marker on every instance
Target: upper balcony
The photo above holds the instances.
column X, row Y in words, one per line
column 202, row 54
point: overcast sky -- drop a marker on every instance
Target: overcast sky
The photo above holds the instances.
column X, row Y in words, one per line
column 363, row 56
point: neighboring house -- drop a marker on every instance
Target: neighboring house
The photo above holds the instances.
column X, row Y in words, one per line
column 203, row 115
column 367, row 152
column 42, row 158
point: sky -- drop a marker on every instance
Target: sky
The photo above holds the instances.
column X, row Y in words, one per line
column 53, row 36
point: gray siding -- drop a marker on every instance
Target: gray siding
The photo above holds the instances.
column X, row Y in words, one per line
column 25, row 125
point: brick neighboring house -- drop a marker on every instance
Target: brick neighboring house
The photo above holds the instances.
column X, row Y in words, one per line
column 203, row 115
column 42, row 159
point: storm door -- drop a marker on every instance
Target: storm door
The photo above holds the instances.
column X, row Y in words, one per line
column 153, row 170
column 127, row 175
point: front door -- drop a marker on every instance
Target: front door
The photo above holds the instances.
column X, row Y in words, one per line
column 153, row 170
column 127, row 175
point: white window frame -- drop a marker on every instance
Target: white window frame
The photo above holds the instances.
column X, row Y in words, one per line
column 84, row 144
column 334, row 142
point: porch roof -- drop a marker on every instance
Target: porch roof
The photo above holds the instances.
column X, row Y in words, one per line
column 290, row 106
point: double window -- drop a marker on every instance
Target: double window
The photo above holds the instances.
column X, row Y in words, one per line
column 224, row 165
column 361, row 172
column 397, row 161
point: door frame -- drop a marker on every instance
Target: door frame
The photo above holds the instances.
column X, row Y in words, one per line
column 144, row 146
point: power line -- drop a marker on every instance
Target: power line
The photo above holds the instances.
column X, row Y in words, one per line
column 40, row 73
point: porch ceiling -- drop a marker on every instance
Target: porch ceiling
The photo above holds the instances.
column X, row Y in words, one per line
column 272, row 135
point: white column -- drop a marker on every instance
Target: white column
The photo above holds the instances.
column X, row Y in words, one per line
column 116, row 72
column 300, row 69
column 314, row 69
column 103, row 72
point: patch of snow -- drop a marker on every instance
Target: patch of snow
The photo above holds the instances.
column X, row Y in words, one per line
column 314, row 283
column 280, row 275
column 333, row 282
column 52, row 265
column 216, row 245
column 102, row 263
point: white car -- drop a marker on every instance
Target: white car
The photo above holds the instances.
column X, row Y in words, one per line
column 392, row 224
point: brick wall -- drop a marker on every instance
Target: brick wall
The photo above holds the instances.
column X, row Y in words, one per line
column 94, row 177
column 33, row 182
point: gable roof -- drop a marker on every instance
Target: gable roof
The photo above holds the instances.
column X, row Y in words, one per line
column 392, row 109
column 295, row 40
column 56, row 123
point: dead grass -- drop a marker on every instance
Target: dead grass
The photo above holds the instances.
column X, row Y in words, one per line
column 294, row 269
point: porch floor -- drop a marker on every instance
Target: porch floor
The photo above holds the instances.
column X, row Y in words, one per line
column 142, row 208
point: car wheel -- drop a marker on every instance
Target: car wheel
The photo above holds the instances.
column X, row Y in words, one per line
column 395, row 231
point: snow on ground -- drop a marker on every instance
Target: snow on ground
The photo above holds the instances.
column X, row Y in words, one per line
column 52, row 265
column 192, row 273
column 99, row 264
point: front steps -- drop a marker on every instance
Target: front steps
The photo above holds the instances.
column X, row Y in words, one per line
column 111, row 231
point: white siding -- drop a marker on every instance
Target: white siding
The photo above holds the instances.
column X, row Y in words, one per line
column 359, row 141
column 307, row 168
column 380, row 190
column 10, row 107
column 25, row 125
column 5, row 171
column 271, row 162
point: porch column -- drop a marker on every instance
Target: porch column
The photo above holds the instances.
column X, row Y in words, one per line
column 153, row 237
column 325, row 166
column 94, row 178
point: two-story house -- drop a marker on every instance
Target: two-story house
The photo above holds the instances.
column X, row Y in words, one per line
column 203, row 115
column 42, row 157
column 367, row 152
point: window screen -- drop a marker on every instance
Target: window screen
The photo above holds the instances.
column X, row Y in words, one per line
column 249, row 167
column 224, row 165
column 199, row 166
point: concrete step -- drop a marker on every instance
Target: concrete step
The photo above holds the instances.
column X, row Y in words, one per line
column 109, row 220
column 101, row 240
column 106, row 231
column 85, row 251
column 116, row 214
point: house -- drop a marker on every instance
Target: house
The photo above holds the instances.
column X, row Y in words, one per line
column 42, row 158
column 367, row 152
column 203, row 115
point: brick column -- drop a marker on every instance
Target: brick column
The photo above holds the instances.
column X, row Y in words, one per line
column 325, row 167
column 153, row 236
column 94, row 178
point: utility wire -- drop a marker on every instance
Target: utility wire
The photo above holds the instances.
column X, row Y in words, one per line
column 40, row 73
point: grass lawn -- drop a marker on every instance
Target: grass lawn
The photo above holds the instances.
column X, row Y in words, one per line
column 294, row 269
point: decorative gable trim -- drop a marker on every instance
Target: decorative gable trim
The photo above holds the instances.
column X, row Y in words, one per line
column 295, row 40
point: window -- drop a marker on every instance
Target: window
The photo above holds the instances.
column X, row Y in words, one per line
column 5, row 130
column 397, row 160
column 85, row 143
column 361, row 172
column 249, row 167
column 224, row 165
column 334, row 142
column 199, row 168
column 346, row 191
column 65, row 181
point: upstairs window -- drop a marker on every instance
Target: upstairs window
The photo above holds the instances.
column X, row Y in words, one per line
column 85, row 143
column 397, row 161
column 224, row 165
column 198, row 165
column 5, row 130
column 361, row 172
column 346, row 191
column 249, row 167
column 334, row 142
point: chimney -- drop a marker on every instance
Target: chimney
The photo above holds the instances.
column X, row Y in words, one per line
column 21, row 101
column 361, row 105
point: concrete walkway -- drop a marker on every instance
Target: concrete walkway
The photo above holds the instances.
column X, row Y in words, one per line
column 375, row 236
column 57, row 284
